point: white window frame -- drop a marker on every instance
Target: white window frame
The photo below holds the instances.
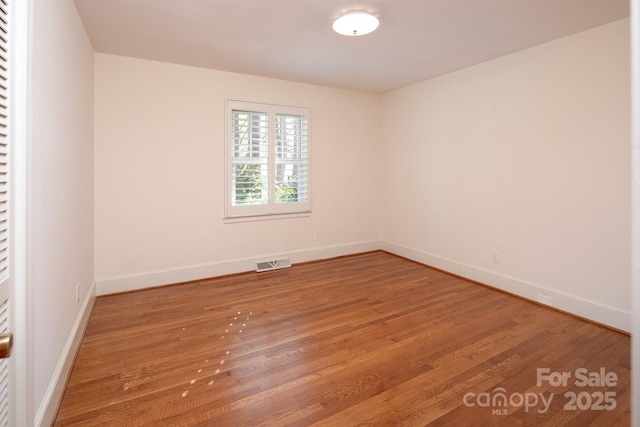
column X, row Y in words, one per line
column 272, row 209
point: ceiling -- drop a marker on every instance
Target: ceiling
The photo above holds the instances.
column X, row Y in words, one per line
column 293, row 39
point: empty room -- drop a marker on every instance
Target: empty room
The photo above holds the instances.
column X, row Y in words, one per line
column 334, row 213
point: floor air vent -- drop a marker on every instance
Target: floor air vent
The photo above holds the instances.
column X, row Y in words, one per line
column 273, row 265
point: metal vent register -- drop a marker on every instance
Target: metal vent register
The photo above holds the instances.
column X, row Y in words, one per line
column 273, row 264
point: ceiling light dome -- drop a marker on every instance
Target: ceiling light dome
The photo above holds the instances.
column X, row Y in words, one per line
column 355, row 24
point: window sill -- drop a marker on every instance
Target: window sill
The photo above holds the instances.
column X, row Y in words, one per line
column 269, row 217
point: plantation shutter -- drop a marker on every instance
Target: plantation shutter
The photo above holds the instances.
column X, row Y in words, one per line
column 291, row 159
column 250, row 158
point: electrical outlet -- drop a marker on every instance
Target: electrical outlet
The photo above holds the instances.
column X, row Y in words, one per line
column 317, row 234
column 495, row 256
column 77, row 292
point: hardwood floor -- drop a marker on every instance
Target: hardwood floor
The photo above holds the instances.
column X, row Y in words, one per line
column 371, row 339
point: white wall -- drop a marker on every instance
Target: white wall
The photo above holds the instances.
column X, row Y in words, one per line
column 159, row 161
column 527, row 154
column 60, row 226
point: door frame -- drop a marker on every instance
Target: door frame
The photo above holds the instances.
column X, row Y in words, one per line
column 21, row 362
column 635, row 204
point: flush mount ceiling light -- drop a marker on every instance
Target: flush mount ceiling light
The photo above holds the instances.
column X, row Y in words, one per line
column 355, row 24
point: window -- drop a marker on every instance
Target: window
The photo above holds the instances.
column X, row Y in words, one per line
column 267, row 160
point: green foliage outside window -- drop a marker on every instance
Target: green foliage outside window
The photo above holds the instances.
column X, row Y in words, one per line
column 287, row 191
column 248, row 184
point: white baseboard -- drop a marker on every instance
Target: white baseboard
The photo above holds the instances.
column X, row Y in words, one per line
column 131, row 282
column 45, row 415
column 573, row 304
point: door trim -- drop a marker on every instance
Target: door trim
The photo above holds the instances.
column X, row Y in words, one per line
column 22, row 319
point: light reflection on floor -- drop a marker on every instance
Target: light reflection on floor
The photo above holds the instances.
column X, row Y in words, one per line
column 185, row 393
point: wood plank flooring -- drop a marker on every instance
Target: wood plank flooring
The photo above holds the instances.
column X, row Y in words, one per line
column 371, row 339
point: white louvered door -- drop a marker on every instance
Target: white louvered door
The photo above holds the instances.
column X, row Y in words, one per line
column 6, row 284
